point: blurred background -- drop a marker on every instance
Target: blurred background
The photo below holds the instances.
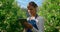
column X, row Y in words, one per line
column 11, row 10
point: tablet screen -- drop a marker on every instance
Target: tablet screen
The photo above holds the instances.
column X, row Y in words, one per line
column 22, row 20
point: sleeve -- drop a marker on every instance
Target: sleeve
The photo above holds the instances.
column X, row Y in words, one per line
column 41, row 24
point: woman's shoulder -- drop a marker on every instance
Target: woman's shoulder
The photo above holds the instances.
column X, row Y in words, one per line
column 28, row 18
column 40, row 17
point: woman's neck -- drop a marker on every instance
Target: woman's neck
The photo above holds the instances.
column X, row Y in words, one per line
column 33, row 15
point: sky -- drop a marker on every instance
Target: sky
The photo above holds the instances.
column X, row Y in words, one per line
column 24, row 3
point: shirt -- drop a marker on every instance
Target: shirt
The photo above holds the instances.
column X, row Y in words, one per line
column 39, row 23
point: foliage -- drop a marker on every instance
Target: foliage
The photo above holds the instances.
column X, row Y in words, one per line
column 9, row 13
column 50, row 9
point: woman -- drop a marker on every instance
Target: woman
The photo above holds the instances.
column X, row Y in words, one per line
column 35, row 23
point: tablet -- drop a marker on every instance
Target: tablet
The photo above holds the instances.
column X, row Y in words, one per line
column 22, row 20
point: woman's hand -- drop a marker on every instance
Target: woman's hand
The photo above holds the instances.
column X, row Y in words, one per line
column 28, row 25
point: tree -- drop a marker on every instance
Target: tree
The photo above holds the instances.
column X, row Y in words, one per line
column 9, row 13
column 50, row 9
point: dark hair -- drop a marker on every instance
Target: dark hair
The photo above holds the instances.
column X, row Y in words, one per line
column 33, row 4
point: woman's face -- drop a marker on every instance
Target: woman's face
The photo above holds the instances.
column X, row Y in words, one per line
column 31, row 10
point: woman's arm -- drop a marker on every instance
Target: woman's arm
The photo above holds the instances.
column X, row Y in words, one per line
column 41, row 24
